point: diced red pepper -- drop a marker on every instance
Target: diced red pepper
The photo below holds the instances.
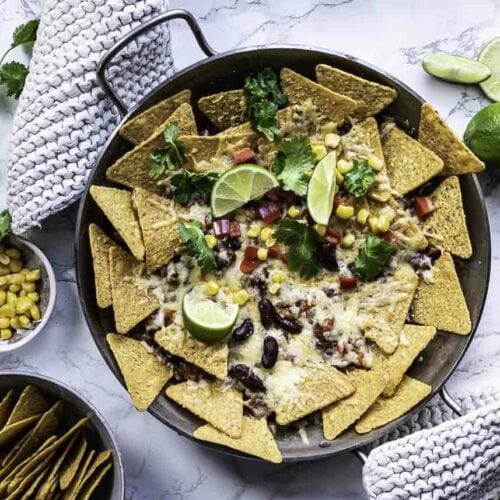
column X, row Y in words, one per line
column 333, row 236
column 274, row 252
column 336, row 202
column 251, row 252
column 269, row 212
column 284, row 257
column 243, row 156
column 234, row 229
column 221, row 227
column 348, row 283
column 423, row 206
column 390, row 237
column 249, row 265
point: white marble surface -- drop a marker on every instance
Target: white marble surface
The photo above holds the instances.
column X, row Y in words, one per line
column 392, row 34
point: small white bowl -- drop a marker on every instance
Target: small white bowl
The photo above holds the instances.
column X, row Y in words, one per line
column 32, row 258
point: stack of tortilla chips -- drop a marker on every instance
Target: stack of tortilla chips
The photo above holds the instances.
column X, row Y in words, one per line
column 42, row 455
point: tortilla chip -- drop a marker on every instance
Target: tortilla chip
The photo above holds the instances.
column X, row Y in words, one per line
column 244, row 128
column 437, row 136
column 442, row 303
column 72, row 491
column 139, row 128
column 117, row 206
column 383, row 319
column 409, row 164
column 144, row 374
column 132, row 300
column 413, row 340
column 256, row 439
column 371, row 97
column 225, row 109
column 6, row 407
column 98, row 462
column 11, row 431
column 30, row 402
column 408, row 394
column 94, row 482
column 158, row 220
column 14, row 449
column 132, row 169
column 222, row 408
column 334, row 107
column 447, row 221
column 100, row 243
column 339, row 416
column 365, row 133
column 30, row 492
column 209, row 357
column 71, row 466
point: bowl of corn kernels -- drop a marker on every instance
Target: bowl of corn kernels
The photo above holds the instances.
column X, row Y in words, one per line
column 27, row 292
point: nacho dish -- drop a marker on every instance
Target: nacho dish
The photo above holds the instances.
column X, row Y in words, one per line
column 282, row 259
column 46, row 453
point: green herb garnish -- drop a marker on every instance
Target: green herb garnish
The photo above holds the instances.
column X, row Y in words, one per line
column 192, row 236
column 5, row 223
column 359, row 178
column 293, row 159
column 169, row 157
column 187, row 185
column 373, row 257
column 304, row 243
column 263, row 98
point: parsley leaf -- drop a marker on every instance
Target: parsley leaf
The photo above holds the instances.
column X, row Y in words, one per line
column 5, row 222
column 304, row 243
column 188, row 185
column 264, row 97
column 168, row 157
column 25, row 33
column 373, row 257
column 192, row 236
column 13, row 75
column 293, row 159
column 359, row 178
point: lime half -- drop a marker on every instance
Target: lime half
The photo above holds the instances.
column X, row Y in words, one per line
column 239, row 185
column 482, row 133
column 206, row 319
column 490, row 55
column 321, row 190
column 455, row 69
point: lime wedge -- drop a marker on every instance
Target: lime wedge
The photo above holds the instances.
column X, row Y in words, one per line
column 455, row 69
column 239, row 185
column 321, row 189
column 206, row 319
column 490, row 55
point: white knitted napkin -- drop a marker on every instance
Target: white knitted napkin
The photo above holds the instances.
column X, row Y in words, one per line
column 452, row 458
column 63, row 119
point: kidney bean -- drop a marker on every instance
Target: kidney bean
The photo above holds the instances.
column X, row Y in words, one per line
column 243, row 331
column 270, row 354
column 348, row 283
column 247, row 377
column 267, row 313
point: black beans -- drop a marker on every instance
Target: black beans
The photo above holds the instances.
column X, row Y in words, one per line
column 233, row 243
column 327, row 256
column 247, row 377
column 243, row 331
column 270, row 354
column 432, row 252
column 267, row 313
column 290, row 325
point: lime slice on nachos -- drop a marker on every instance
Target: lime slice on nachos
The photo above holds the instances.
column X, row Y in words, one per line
column 321, row 190
column 455, row 69
column 490, row 56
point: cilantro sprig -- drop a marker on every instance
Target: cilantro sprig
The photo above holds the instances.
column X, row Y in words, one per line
column 170, row 156
column 13, row 74
column 188, row 185
column 373, row 257
column 304, row 243
column 192, row 236
column 5, row 223
column 293, row 159
column 359, row 178
column 264, row 97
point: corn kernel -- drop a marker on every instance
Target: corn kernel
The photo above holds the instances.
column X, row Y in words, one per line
column 344, row 211
column 22, row 293
column 381, row 196
column 11, row 298
column 211, row 288
column 262, row 253
column 362, row 215
column 29, row 287
column 348, row 240
column 277, row 277
column 270, row 242
column 241, row 297
column 16, row 265
column 376, row 163
column 7, row 311
column 320, row 229
column 274, row 288
column 332, row 140
column 253, row 231
column 318, row 150
column 33, row 275
column 329, row 127
column 4, row 270
column 5, row 334
column 13, row 253
column 16, row 279
column 337, row 189
column 210, row 240
column 3, row 297
column 339, row 177
column 25, row 271
column 15, row 288
column 35, row 312
column 266, row 233
column 293, row 212
column 33, row 296
column 4, row 322
column 23, row 305
column 14, row 323
column 383, row 223
column 25, row 322
column 373, row 223
column 4, row 259
column 343, row 166
column 3, row 281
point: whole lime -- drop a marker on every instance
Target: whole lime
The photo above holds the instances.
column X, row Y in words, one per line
column 482, row 135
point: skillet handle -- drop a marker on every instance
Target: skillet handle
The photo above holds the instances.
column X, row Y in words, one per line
column 132, row 35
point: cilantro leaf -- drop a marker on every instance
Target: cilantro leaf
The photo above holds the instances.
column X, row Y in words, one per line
column 5, row 223
column 168, row 157
column 373, row 257
column 25, row 33
column 304, row 243
column 13, row 76
column 264, row 97
column 192, row 236
column 359, row 178
column 187, row 185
